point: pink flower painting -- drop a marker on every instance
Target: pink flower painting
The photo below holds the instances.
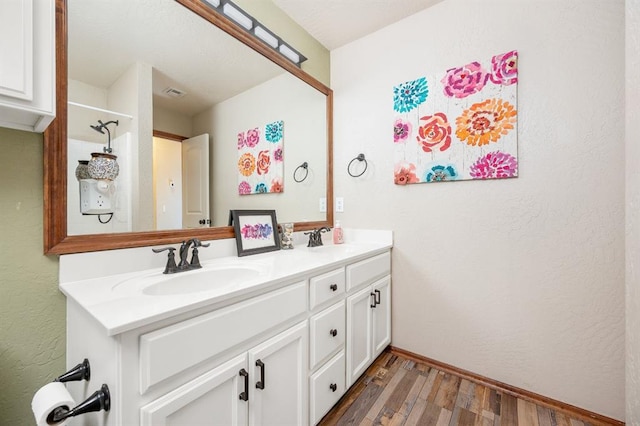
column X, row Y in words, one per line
column 464, row 81
column 244, row 188
column 401, row 130
column 504, row 68
column 464, row 128
column 495, row 165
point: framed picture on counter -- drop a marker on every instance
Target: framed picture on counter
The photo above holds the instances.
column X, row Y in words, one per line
column 256, row 231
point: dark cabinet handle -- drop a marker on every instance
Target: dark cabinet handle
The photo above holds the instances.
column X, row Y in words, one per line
column 260, row 383
column 333, row 387
column 373, row 304
column 245, row 395
column 334, row 287
column 377, row 292
column 333, row 332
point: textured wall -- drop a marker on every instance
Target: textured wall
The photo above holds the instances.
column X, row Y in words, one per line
column 633, row 211
column 32, row 313
column 520, row 280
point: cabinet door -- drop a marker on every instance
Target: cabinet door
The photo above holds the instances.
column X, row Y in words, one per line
column 279, row 382
column 359, row 345
column 381, row 315
column 211, row 399
column 16, row 48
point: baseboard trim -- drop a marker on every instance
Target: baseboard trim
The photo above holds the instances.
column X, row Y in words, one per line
column 573, row 411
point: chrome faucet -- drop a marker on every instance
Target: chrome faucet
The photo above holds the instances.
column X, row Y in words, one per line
column 315, row 236
column 183, row 252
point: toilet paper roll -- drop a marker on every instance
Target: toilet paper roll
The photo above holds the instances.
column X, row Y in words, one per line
column 47, row 399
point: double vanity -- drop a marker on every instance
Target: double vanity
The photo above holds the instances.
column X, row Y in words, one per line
column 274, row 339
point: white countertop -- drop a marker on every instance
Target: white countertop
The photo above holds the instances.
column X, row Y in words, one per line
column 118, row 302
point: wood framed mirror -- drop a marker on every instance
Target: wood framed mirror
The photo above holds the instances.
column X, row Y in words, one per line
column 58, row 239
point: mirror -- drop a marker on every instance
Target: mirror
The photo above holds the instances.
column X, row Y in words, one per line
column 304, row 106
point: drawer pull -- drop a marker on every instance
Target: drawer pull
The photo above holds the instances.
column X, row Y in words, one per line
column 333, row 387
column 260, row 383
column 377, row 292
column 373, row 304
column 334, row 287
column 333, row 332
column 245, row 395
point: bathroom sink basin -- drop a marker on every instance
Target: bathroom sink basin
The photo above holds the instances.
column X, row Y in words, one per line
column 200, row 280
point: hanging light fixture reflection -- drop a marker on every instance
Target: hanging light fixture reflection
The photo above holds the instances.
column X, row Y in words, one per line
column 103, row 165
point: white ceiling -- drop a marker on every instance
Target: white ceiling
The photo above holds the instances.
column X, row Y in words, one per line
column 335, row 23
column 189, row 54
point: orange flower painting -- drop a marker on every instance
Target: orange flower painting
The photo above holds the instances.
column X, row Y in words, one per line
column 246, row 164
column 486, row 122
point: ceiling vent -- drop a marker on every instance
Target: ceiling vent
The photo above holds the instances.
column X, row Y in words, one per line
column 172, row 92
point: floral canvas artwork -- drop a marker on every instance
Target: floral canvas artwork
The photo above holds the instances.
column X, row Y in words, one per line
column 260, row 159
column 458, row 125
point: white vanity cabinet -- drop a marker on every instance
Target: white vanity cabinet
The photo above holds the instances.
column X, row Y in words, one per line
column 281, row 353
column 212, row 398
column 368, row 313
column 265, row 386
column 27, row 64
column 327, row 342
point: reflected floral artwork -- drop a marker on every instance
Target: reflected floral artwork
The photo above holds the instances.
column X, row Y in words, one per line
column 459, row 125
column 261, row 159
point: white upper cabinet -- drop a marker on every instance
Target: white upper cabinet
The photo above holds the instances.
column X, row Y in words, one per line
column 27, row 64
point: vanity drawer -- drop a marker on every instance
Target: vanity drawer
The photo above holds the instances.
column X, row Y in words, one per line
column 173, row 349
column 326, row 387
column 368, row 270
column 326, row 287
column 327, row 333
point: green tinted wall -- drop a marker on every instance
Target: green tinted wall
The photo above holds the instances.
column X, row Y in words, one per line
column 32, row 310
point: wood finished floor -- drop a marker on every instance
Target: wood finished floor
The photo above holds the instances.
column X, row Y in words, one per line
column 399, row 391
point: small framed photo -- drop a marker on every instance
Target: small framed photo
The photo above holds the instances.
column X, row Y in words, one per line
column 256, row 231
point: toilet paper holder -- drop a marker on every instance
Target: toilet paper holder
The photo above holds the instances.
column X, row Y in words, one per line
column 81, row 371
column 100, row 400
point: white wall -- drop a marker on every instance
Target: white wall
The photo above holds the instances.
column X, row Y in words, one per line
column 132, row 94
column 172, row 122
column 633, row 211
column 167, row 169
column 79, row 119
column 282, row 98
column 520, row 280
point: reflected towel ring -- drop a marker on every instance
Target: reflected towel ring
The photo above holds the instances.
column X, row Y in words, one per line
column 304, row 166
column 360, row 157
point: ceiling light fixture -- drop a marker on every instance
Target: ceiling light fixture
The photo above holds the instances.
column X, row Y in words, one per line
column 237, row 14
column 266, row 36
column 256, row 29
